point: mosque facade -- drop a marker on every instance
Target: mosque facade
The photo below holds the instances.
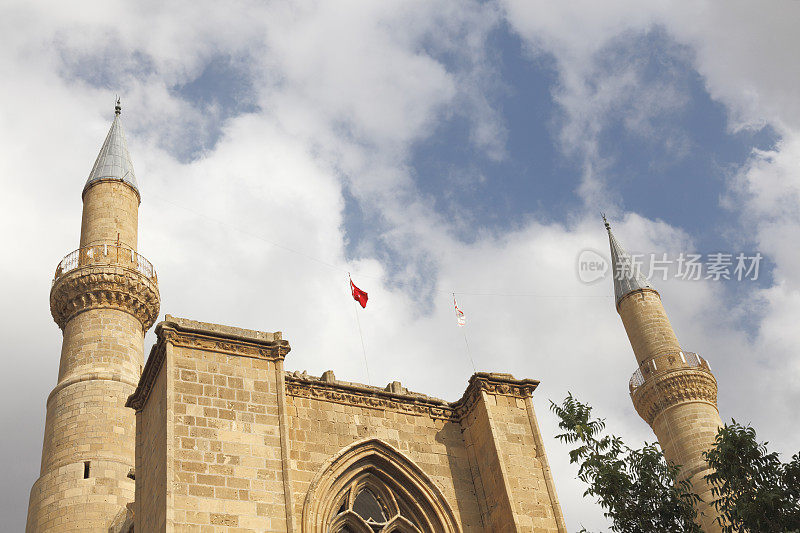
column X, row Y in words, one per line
column 213, row 434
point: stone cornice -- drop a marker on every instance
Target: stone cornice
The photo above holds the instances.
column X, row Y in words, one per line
column 184, row 333
column 666, row 390
column 223, row 339
column 105, row 287
column 304, row 386
column 496, row 384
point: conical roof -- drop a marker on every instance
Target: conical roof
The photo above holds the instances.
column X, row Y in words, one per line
column 627, row 277
column 114, row 161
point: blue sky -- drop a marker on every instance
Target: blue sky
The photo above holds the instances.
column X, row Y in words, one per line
column 425, row 148
column 681, row 185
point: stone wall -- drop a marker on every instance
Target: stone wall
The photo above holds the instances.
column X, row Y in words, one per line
column 98, row 340
column 110, row 207
column 225, row 464
column 647, row 325
column 151, row 446
column 685, row 431
column 516, row 484
column 88, row 445
column 326, row 416
column 489, row 471
column 257, row 449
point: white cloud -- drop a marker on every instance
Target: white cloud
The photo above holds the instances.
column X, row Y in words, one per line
column 343, row 91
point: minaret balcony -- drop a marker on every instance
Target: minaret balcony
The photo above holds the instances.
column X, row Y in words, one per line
column 106, row 254
column 664, row 363
column 105, row 276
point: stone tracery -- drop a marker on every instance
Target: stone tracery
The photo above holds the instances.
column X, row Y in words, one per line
column 369, row 487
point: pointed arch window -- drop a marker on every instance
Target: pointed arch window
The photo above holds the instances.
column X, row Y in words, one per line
column 369, row 506
column 369, row 487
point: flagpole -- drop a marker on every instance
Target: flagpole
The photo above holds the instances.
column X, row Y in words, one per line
column 468, row 353
column 361, row 336
column 464, row 331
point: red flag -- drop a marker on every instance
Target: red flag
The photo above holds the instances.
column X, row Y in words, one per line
column 358, row 295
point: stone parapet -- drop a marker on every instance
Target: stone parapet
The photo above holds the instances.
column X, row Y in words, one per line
column 98, row 286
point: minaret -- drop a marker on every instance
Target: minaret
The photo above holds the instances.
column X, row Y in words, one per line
column 673, row 390
column 104, row 298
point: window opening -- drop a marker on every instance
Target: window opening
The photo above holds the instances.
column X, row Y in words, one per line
column 370, row 506
column 86, row 470
column 367, row 506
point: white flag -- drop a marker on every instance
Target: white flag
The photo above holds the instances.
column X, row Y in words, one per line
column 459, row 314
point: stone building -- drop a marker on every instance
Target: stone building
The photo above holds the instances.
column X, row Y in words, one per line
column 673, row 390
column 212, row 434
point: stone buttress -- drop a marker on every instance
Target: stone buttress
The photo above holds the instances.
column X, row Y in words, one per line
column 673, row 390
column 104, row 297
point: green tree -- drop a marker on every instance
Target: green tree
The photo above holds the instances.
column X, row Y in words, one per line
column 636, row 487
column 753, row 490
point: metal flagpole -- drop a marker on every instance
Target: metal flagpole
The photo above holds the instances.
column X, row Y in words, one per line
column 469, row 354
column 361, row 335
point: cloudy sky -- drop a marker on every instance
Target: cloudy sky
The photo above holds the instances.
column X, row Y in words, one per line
column 427, row 148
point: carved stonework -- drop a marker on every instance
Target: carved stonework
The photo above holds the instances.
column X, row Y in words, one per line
column 495, row 384
column 304, row 386
column 276, row 350
column 364, row 396
column 502, row 385
column 671, row 388
column 105, row 286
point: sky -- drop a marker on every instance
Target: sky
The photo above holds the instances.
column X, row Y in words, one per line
column 427, row 148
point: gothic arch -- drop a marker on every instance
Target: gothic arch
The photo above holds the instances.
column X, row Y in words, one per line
column 409, row 501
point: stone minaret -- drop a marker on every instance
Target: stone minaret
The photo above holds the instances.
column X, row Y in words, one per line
column 104, row 298
column 673, row 390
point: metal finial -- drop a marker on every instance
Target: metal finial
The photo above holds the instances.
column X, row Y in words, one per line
column 118, row 107
column 605, row 222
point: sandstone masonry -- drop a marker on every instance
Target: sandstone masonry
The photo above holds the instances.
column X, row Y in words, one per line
column 231, row 442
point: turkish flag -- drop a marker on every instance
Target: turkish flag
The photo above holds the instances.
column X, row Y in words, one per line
column 358, row 295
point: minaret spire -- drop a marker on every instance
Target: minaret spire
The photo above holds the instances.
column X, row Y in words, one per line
column 114, row 161
column 627, row 276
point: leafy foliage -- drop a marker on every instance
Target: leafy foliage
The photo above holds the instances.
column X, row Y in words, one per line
column 753, row 490
column 636, row 487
